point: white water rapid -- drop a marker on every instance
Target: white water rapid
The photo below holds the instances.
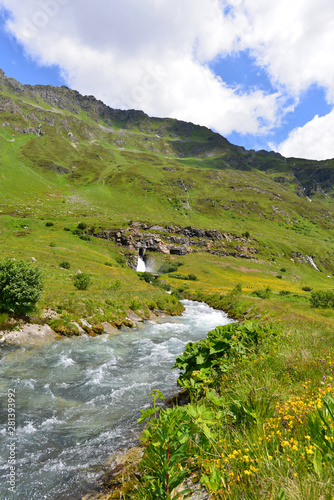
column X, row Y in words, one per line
column 78, row 400
column 141, row 266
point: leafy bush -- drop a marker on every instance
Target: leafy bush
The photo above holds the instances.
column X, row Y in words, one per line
column 85, row 237
column 262, row 294
column 279, row 276
column 189, row 277
column 322, row 298
column 283, row 270
column 52, row 244
column 65, row 264
column 120, row 259
column 146, row 276
column 167, row 443
column 246, row 234
column 169, row 267
column 237, row 290
column 307, row 288
column 77, row 232
column 49, row 224
column 108, row 264
column 20, row 286
column 284, row 292
column 321, row 427
column 82, row 226
column 218, row 349
column 67, row 229
column 135, row 304
column 162, row 284
column 81, row 281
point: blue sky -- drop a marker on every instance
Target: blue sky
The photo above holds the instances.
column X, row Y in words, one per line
column 260, row 74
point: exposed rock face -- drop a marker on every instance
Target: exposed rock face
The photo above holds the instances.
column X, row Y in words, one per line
column 176, row 240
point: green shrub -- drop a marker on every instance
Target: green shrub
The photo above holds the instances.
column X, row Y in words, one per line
column 279, row 276
column 152, row 305
column 162, row 284
column 108, row 264
column 77, row 232
column 146, row 276
column 120, row 259
column 322, row 298
column 284, row 292
column 65, row 265
column 178, row 276
column 223, row 344
column 262, row 294
column 246, row 234
column 135, row 304
column 283, row 270
column 20, row 286
column 82, row 226
column 81, row 281
column 85, row 237
column 307, row 288
column 52, row 244
column 49, row 224
column 237, row 290
column 169, row 267
column 67, row 229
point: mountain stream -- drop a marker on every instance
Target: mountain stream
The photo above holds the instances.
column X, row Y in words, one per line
column 77, row 400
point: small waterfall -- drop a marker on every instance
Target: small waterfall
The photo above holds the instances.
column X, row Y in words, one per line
column 141, row 266
column 311, row 261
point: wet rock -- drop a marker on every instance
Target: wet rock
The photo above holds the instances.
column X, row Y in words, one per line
column 109, row 329
column 132, row 316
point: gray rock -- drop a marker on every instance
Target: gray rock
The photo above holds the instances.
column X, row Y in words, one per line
column 30, row 334
column 84, row 322
column 108, row 328
column 81, row 330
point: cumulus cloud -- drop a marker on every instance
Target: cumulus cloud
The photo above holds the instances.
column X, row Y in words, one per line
column 313, row 141
column 154, row 54
column 292, row 40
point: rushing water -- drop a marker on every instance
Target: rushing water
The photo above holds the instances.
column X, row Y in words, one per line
column 141, row 266
column 78, row 400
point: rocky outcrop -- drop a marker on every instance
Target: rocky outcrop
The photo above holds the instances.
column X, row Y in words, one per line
column 29, row 334
column 140, row 238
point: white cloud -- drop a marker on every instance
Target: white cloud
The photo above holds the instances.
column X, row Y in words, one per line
column 294, row 40
column 313, row 141
column 148, row 55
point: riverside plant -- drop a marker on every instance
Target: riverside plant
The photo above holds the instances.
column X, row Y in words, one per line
column 239, row 437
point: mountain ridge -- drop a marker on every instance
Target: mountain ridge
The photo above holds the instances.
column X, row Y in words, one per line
column 151, row 165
